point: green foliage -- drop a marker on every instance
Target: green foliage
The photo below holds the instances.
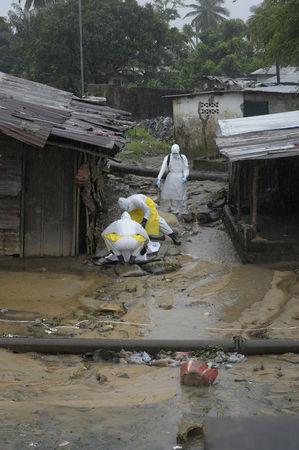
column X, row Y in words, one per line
column 209, row 352
column 37, row 3
column 168, row 8
column 207, row 13
column 118, row 36
column 223, row 50
column 6, row 36
column 141, row 143
column 274, row 31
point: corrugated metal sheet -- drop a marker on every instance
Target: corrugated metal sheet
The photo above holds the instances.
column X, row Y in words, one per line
column 27, row 122
column 252, row 124
column 275, row 89
column 12, row 87
column 260, row 137
column 280, row 149
column 90, row 123
column 272, row 71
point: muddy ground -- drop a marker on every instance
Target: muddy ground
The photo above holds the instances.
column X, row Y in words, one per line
column 55, row 401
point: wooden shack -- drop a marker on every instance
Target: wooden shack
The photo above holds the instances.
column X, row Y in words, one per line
column 53, row 148
column 262, row 214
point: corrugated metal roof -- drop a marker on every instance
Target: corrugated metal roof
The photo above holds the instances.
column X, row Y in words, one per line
column 32, row 92
column 252, row 124
column 259, row 137
column 195, row 94
column 277, row 89
column 291, row 78
column 60, row 115
column 272, row 70
column 27, row 122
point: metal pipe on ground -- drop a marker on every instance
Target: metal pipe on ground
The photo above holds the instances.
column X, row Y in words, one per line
column 147, row 172
column 80, row 346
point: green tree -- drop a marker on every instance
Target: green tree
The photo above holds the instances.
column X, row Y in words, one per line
column 6, row 37
column 168, row 8
column 36, row 4
column 274, row 31
column 118, row 36
column 207, row 13
column 222, row 51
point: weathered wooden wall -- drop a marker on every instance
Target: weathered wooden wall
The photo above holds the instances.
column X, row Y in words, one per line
column 50, row 203
column 11, row 163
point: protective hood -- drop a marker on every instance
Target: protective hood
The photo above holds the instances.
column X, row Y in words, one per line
column 125, row 216
column 123, row 203
column 175, row 149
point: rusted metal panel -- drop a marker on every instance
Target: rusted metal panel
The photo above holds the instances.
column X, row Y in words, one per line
column 49, row 203
column 27, row 122
column 31, row 112
column 85, row 137
column 32, row 92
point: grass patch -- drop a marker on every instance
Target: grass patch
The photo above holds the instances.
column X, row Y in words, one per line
column 142, row 143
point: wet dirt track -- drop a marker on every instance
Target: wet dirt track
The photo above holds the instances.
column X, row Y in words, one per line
column 52, row 402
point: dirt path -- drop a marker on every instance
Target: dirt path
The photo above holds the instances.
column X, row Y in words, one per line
column 59, row 400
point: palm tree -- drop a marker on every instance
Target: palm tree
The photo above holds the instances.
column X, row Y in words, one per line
column 36, row 4
column 20, row 21
column 207, row 13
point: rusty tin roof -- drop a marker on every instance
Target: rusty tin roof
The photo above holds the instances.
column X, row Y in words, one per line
column 35, row 113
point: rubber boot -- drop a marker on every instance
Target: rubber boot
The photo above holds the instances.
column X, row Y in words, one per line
column 132, row 260
column 121, row 259
column 175, row 239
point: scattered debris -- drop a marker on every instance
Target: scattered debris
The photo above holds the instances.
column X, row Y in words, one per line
column 161, row 267
column 111, row 309
column 101, row 378
column 194, row 373
column 165, row 306
column 126, row 270
column 64, row 444
column 160, row 127
column 186, row 431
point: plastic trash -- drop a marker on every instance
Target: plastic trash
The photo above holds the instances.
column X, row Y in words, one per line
column 194, row 373
column 236, row 358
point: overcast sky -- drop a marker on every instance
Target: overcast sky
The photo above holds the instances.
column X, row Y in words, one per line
column 238, row 9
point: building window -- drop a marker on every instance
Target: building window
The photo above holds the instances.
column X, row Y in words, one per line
column 255, row 108
column 209, row 108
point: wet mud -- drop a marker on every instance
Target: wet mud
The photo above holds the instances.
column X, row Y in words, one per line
column 47, row 401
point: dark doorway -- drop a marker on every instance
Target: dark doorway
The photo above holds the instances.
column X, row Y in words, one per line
column 49, row 206
column 254, row 108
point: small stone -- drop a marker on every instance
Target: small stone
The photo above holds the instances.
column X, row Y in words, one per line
column 165, row 306
column 101, row 378
column 160, row 363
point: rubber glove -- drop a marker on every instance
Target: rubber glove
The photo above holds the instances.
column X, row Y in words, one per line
column 144, row 222
column 158, row 183
column 184, row 180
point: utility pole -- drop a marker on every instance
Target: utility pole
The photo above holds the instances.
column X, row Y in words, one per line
column 81, row 49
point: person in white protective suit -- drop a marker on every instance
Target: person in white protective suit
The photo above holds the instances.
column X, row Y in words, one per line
column 174, row 188
column 126, row 239
column 143, row 209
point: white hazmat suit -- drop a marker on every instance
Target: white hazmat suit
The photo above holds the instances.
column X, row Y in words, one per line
column 125, row 238
column 143, row 209
column 174, row 188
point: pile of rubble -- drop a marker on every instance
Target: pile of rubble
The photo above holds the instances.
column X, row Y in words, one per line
column 165, row 358
column 161, row 127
